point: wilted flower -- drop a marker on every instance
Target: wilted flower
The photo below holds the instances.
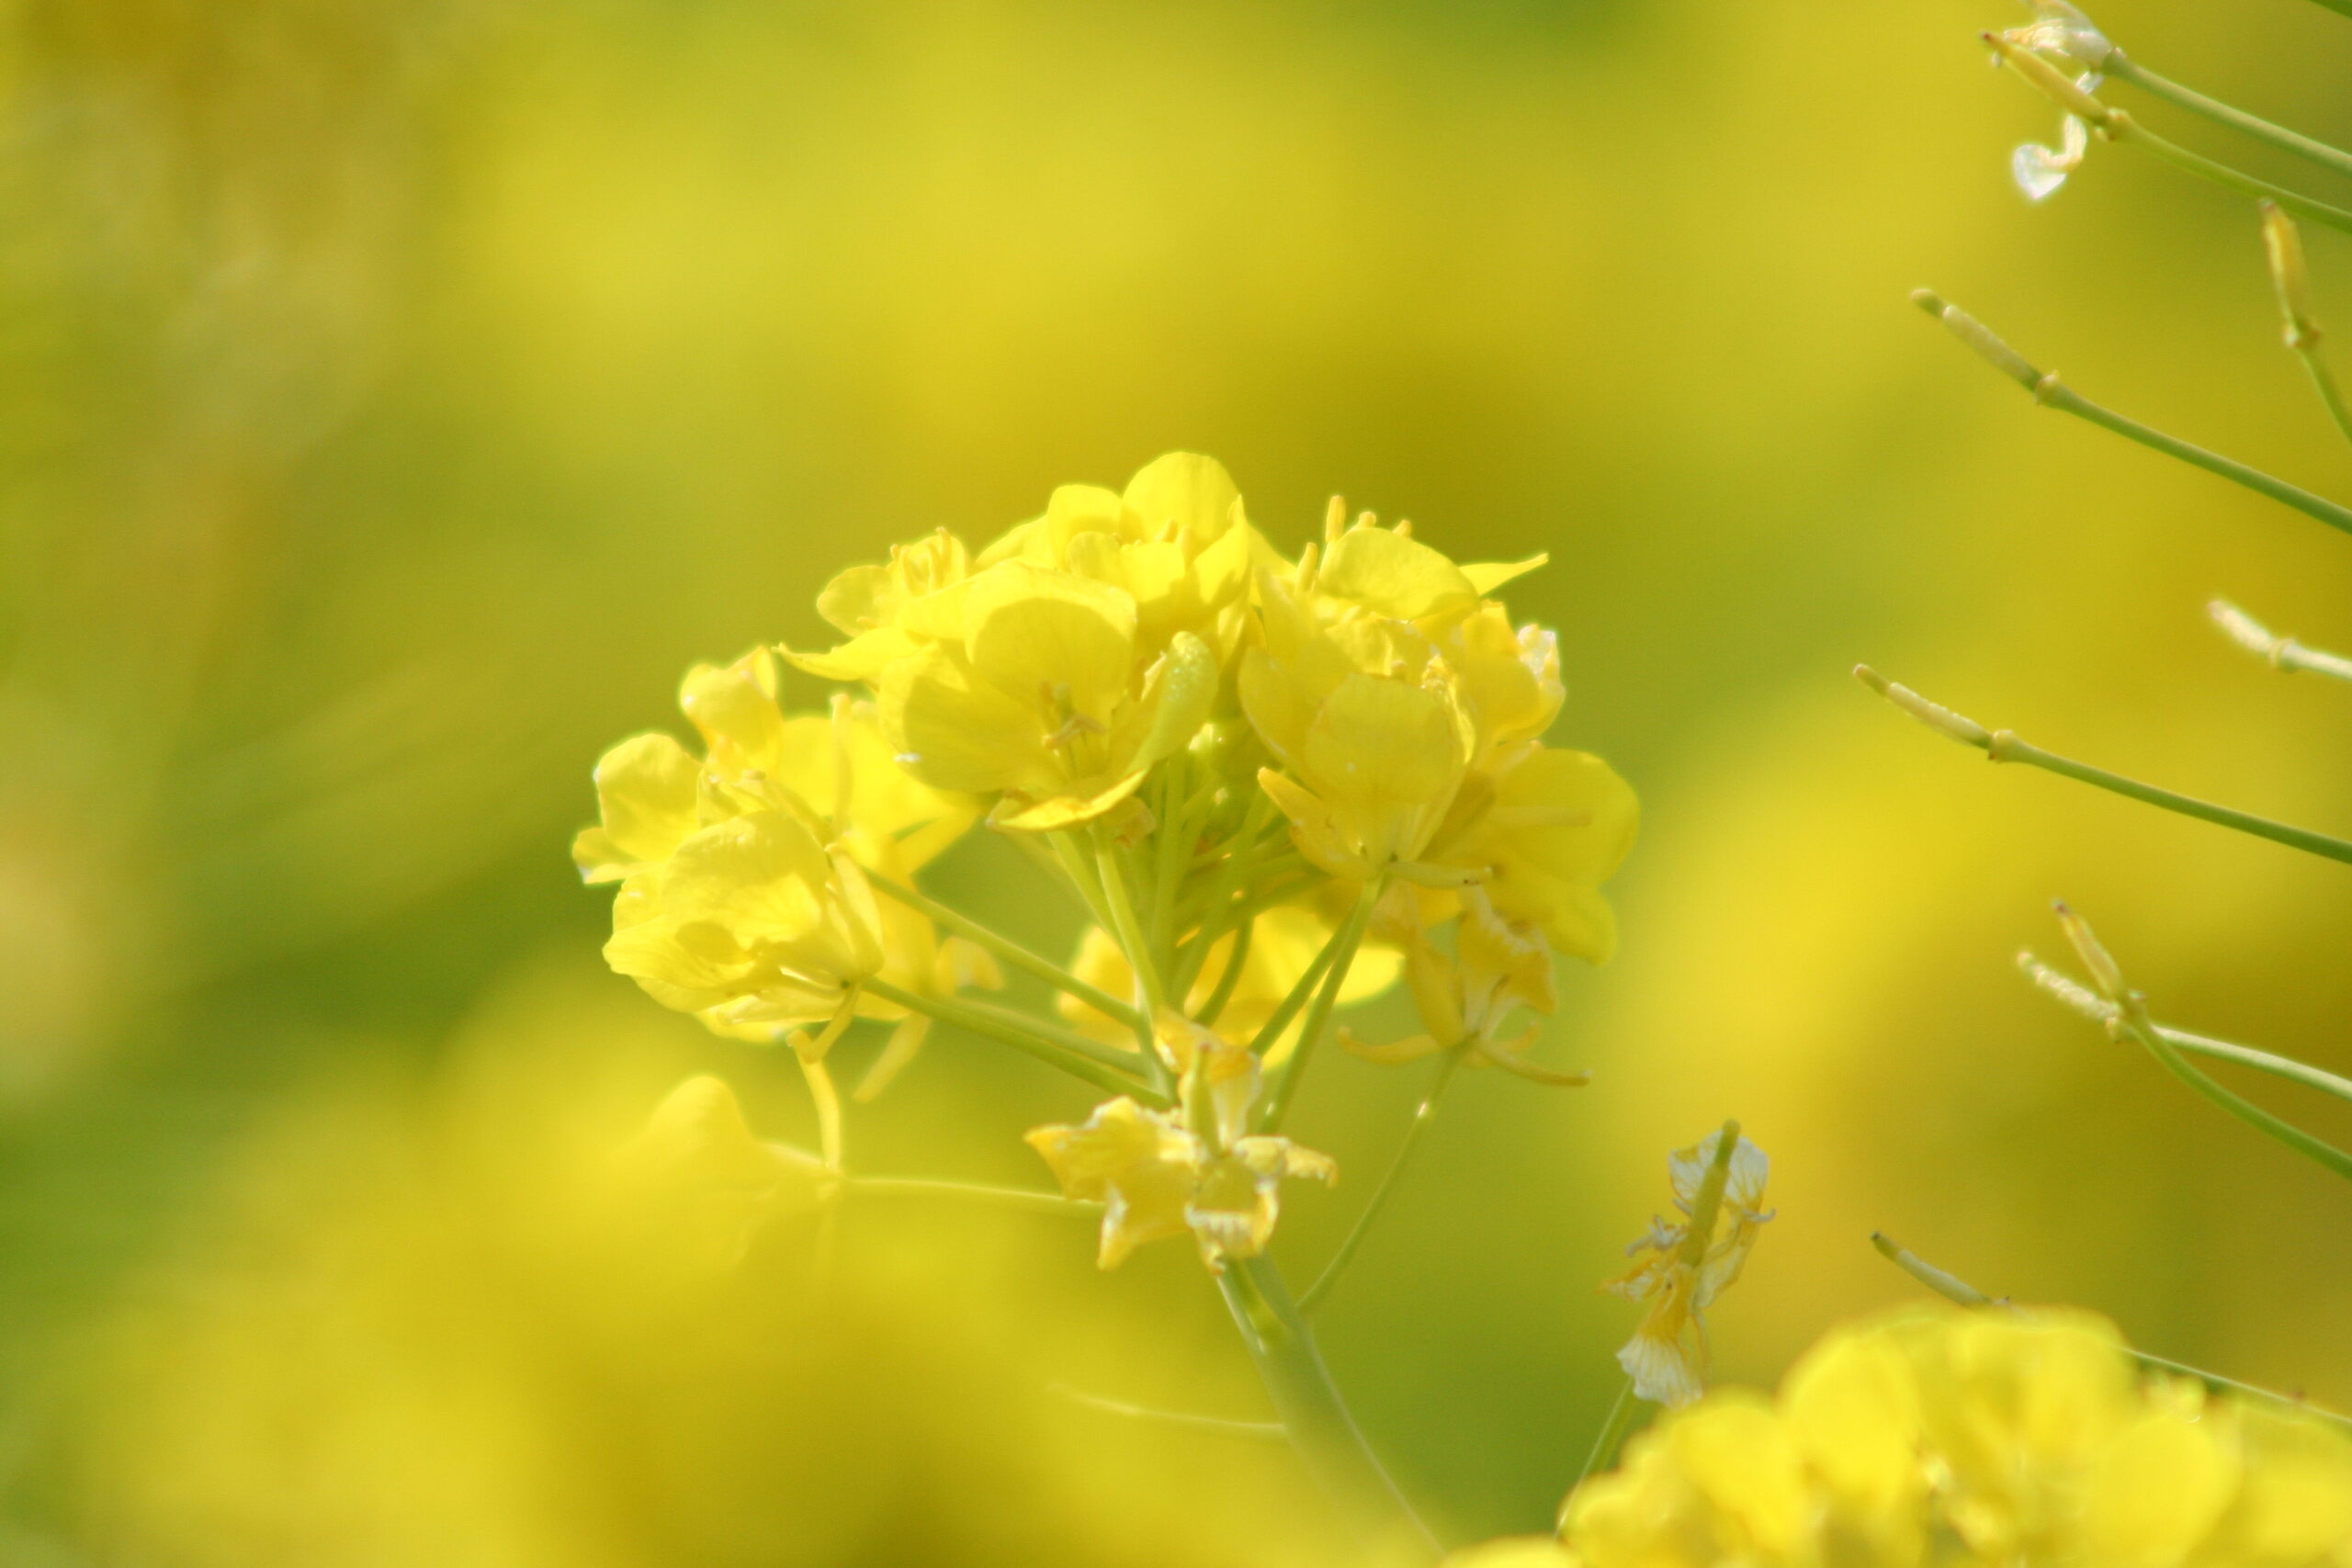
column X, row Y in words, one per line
column 2061, row 37
column 1719, row 1189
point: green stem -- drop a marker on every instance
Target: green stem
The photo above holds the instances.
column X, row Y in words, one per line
column 1079, row 868
column 1289, row 1008
column 1243, row 935
column 1605, row 1443
column 1010, row 951
column 1129, row 932
column 1423, row 1115
column 2278, row 136
column 1027, row 1200
column 1053, row 1033
column 2341, row 8
column 1026, row 1036
column 2121, row 128
column 2330, row 396
column 1216, row 914
column 1223, row 1426
column 2002, row 746
column 2135, row 1022
column 1322, row 1431
column 1343, row 944
column 1956, row 1290
column 2051, row 392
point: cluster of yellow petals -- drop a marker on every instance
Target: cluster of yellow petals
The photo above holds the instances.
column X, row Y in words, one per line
column 1952, row 1438
column 1164, row 1174
column 1285, row 756
column 743, row 895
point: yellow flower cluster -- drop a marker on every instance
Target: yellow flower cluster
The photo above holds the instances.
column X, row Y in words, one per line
column 1277, row 784
column 1950, row 1437
column 744, row 895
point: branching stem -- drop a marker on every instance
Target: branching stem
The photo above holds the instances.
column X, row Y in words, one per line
column 1423, row 1115
column 1006, row 949
column 1028, row 1035
column 2127, row 69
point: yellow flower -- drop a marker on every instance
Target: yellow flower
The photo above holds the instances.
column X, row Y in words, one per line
column 1724, row 1482
column 1162, row 1173
column 706, row 1183
column 1283, row 947
column 733, row 904
column 891, row 611
column 754, row 925
column 1177, row 543
column 1684, row 1267
column 1373, row 750
column 1548, row 826
column 1982, row 1437
column 1043, row 698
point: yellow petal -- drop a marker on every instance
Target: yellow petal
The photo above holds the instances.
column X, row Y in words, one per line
column 1390, row 574
column 646, row 790
column 953, row 731
column 734, row 707
column 1032, row 632
column 1183, row 488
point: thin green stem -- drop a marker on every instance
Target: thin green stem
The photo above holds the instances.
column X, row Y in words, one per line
column 1296, row 999
column 2051, row 392
column 2341, row 8
column 1243, row 935
column 1217, row 913
column 1605, row 1442
column 1055, row 1033
column 1223, row 1426
column 2134, row 1021
column 2101, row 1010
column 1321, row 1429
column 1956, row 1290
column 1006, row 949
column 2002, row 746
column 1129, row 932
column 1027, row 1200
column 1343, row 944
column 2126, row 70
column 1078, row 868
column 1028, row 1036
column 1423, row 1115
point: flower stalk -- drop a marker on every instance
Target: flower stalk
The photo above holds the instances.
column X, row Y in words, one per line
column 2051, row 392
column 2004, row 746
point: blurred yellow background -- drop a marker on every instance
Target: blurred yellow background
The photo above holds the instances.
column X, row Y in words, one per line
column 396, row 398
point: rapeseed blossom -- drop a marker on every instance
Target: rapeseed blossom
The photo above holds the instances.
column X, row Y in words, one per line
column 1943, row 1436
column 1276, row 784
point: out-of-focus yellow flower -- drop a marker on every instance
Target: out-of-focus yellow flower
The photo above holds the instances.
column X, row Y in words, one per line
column 1684, row 1267
column 1976, row 1437
column 743, row 897
column 733, row 905
column 1282, row 948
column 707, row 1183
column 1164, row 1173
column 1044, row 698
column 1177, row 542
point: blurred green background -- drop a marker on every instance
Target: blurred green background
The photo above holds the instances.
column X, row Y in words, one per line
column 395, row 399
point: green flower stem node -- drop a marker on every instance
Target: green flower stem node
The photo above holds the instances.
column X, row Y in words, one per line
column 2280, row 652
column 2002, row 746
column 1321, row 1429
column 1007, row 950
column 2050, row 392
